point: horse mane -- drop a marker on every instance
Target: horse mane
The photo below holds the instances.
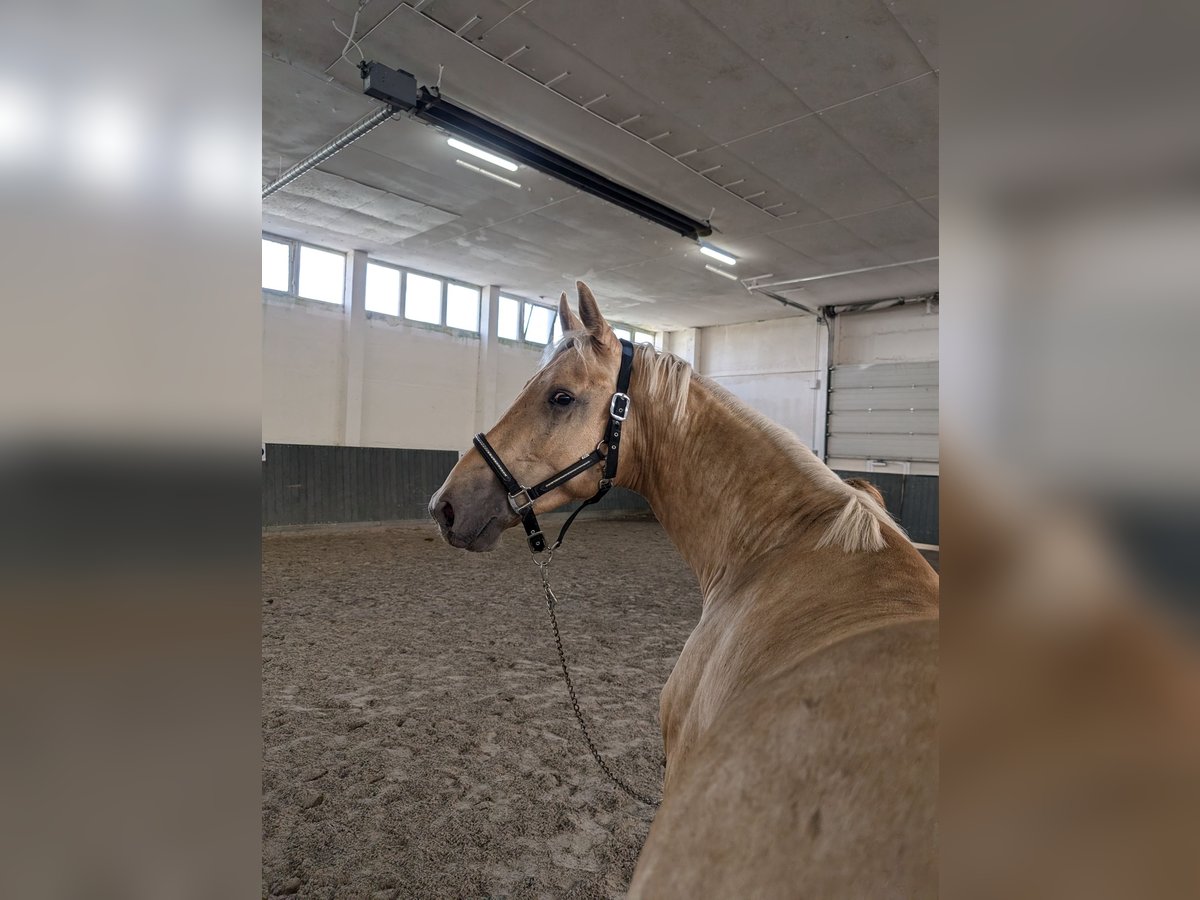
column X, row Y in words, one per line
column 665, row 379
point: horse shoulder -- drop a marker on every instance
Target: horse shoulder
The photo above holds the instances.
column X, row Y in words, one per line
column 801, row 785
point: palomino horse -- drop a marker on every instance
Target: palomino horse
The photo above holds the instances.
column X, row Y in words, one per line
column 800, row 721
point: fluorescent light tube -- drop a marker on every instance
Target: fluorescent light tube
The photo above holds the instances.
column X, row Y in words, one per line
column 475, row 168
column 719, row 255
column 482, row 154
column 721, row 272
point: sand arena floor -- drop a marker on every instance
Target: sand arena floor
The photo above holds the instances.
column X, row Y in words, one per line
column 418, row 741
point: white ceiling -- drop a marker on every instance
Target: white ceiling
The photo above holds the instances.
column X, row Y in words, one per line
column 818, row 118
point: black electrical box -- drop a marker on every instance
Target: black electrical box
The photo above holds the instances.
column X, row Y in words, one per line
column 393, row 86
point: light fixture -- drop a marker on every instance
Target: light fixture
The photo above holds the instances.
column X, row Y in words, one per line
column 399, row 93
column 482, row 154
column 721, row 272
column 475, row 168
column 398, row 90
column 720, row 255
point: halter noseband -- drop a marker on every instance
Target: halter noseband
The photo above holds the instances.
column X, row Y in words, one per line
column 520, row 498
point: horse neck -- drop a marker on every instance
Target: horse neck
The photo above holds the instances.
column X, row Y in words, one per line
column 725, row 488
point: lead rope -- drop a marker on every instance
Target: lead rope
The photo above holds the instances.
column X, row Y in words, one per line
column 551, row 602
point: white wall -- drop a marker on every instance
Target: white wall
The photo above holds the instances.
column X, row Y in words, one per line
column 516, row 366
column 302, row 371
column 775, row 366
column 900, row 334
column 418, row 387
column 418, row 384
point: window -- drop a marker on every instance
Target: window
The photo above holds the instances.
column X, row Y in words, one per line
column 322, row 275
column 462, row 307
column 276, row 266
column 383, row 289
column 538, row 322
column 636, row 335
column 556, row 335
column 509, row 324
column 422, row 298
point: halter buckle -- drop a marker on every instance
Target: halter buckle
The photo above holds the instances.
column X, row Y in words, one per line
column 612, row 406
column 520, row 508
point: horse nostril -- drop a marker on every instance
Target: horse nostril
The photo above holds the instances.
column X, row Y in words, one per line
column 444, row 513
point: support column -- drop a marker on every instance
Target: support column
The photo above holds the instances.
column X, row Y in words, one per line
column 355, row 347
column 489, row 363
column 686, row 345
column 825, row 336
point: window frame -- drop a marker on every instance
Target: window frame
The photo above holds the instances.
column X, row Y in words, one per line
column 325, row 304
column 633, row 330
column 553, row 310
column 372, row 261
column 478, row 289
column 293, row 288
column 440, row 279
column 520, row 341
column 445, row 281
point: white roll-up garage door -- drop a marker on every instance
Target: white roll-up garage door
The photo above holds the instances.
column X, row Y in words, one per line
column 885, row 411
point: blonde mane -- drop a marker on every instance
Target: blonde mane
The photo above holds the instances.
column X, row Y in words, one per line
column 665, row 379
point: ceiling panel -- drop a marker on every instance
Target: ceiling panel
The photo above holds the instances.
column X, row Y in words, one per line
column 567, row 245
column 301, row 112
column 826, row 51
column 604, row 222
column 301, row 31
column 903, row 232
column 919, row 19
column 832, row 246
column 348, row 207
column 809, row 158
column 703, row 78
column 897, row 131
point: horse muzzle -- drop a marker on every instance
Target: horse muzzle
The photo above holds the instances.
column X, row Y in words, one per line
column 470, row 517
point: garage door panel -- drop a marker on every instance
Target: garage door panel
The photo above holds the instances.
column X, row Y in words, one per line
column 923, row 422
column 920, row 398
column 884, row 411
column 904, row 447
column 882, row 375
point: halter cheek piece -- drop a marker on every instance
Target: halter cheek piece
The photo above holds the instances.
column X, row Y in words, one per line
column 521, row 498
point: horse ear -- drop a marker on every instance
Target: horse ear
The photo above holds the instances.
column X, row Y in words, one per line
column 589, row 312
column 567, row 319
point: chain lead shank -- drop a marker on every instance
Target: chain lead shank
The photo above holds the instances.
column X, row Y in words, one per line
column 551, row 601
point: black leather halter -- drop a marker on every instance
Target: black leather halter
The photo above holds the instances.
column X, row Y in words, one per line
column 521, row 498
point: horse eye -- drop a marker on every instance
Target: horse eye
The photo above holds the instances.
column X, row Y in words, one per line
column 561, row 398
